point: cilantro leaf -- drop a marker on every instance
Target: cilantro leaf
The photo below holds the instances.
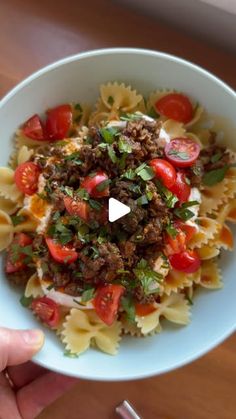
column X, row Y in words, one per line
column 215, row 176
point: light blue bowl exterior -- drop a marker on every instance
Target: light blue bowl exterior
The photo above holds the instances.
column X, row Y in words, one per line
column 77, row 78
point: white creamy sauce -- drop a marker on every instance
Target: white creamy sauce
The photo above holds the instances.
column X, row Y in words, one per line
column 195, row 195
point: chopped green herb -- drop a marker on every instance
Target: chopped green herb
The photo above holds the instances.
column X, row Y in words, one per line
column 108, row 134
column 70, row 354
column 216, row 157
column 110, row 100
column 112, row 154
column 190, row 204
column 135, row 188
column 60, row 232
column 180, row 154
column 128, row 306
column 122, row 271
column 130, row 117
column 122, row 161
column 103, row 185
column 77, row 302
column 17, row 219
column 129, row 174
column 187, row 180
column 196, row 169
column 95, row 205
column 124, row 146
column 215, row 176
column 26, row 301
column 88, row 295
column 82, row 194
column 169, row 198
column 171, row 230
column 61, row 143
column 42, row 195
column 145, row 172
column 74, row 157
column 95, row 252
column 153, row 114
column 69, row 191
column 78, row 107
column 148, row 278
column 189, row 300
column 56, row 216
column 50, row 287
column 142, row 200
column 183, row 213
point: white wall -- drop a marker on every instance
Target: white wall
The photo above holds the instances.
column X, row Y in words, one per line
column 213, row 20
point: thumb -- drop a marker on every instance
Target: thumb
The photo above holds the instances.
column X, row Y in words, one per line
column 19, row 346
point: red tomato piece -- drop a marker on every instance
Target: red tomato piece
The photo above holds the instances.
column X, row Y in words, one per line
column 175, row 106
column 164, row 171
column 33, row 128
column 106, row 302
column 144, row 309
column 77, row 207
column 12, row 265
column 60, row 253
column 58, row 122
column 91, row 184
column 182, row 152
column 188, row 230
column 187, row 261
column 26, row 177
column 181, row 189
column 47, row 310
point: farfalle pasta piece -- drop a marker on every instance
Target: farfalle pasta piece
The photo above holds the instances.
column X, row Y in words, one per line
column 213, row 197
column 81, row 327
column 8, row 206
column 6, row 230
column 149, row 323
column 8, row 188
column 224, row 239
column 33, row 287
column 175, row 308
column 130, row 328
column 210, row 275
column 82, row 134
column 119, row 97
column 206, row 252
column 81, row 113
column 24, row 154
column 208, row 228
column 28, row 224
column 22, row 140
column 176, row 280
column 231, row 214
column 172, row 129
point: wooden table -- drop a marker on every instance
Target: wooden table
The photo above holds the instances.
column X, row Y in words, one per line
column 33, row 34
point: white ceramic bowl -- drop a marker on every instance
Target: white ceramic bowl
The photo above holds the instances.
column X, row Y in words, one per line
column 78, row 78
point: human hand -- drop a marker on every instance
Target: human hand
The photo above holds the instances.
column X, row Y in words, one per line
column 25, row 388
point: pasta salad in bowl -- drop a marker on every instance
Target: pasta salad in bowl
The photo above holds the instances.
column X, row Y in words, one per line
column 100, row 284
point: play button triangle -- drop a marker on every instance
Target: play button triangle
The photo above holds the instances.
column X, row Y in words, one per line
column 116, row 209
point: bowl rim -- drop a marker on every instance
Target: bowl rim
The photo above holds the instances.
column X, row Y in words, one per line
column 145, row 52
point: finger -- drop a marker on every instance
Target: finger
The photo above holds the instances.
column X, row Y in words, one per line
column 21, row 375
column 33, row 398
column 18, row 346
column 8, row 407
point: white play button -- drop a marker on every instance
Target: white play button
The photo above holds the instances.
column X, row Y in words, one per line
column 116, row 209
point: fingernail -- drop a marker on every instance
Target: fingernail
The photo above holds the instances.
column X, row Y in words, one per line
column 33, row 337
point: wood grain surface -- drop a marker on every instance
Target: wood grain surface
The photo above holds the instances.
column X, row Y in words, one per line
column 35, row 33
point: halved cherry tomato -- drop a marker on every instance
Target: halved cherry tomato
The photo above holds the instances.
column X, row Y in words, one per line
column 144, row 309
column 91, row 184
column 26, row 177
column 164, row 171
column 181, row 189
column 77, row 207
column 106, row 302
column 189, row 230
column 33, row 128
column 175, row 106
column 182, row 152
column 47, row 310
column 60, row 253
column 187, row 261
column 12, row 265
column 58, row 122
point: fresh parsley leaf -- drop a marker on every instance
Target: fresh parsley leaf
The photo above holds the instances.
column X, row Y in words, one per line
column 142, row 200
column 110, row 100
column 215, row 176
column 145, row 172
column 103, row 185
column 129, row 174
column 95, row 205
column 70, row 354
column 17, row 219
column 108, row 134
column 78, row 107
column 153, row 114
column 183, row 155
column 111, row 154
column 124, row 146
column 26, row 301
column 171, row 230
column 216, row 157
column 88, row 295
column 128, row 306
